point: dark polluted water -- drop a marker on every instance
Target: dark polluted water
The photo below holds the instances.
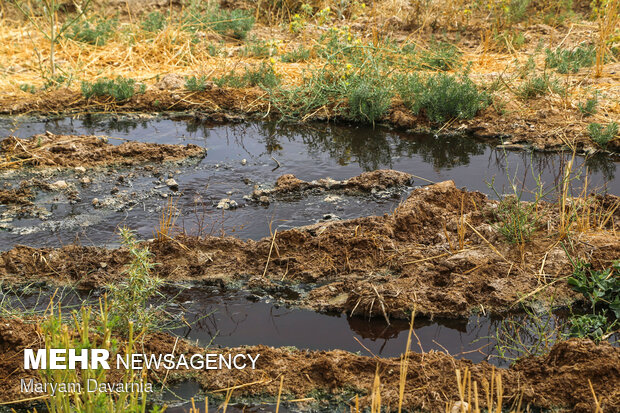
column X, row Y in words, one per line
column 254, row 153
column 243, row 155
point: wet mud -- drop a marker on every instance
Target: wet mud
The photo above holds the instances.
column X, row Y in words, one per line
column 438, row 252
column 50, row 150
column 552, row 381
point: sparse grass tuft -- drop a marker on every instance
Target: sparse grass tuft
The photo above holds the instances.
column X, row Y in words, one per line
column 440, row 56
column 301, row 54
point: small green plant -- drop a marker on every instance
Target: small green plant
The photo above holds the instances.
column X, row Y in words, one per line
column 603, row 135
column 593, row 326
column 369, row 99
column 95, row 33
column 301, row 54
column 130, row 297
column 264, row 76
column 570, row 61
column 196, row 84
column 442, row 96
column 517, row 220
column 232, row 23
column 154, row 22
column 588, row 108
column 260, row 48
column 120, row 89
column 538, row 85
column 26, row 87
column 601, row 288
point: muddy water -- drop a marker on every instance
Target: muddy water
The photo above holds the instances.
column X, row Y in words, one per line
column 309, row 152
column 237, row 318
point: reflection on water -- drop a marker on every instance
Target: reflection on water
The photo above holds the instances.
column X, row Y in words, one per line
column 308, row 151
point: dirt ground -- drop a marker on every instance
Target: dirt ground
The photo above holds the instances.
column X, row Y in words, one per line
column 558, row 380
column 440, row 251
column 50, row 150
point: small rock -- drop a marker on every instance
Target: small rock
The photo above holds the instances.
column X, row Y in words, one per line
column 80, row 169
column 95, row 202
column 114, row 190
column 59, row 185
column 227, row 203
column 264, row 200
column 85, row 181
column 172, row 184
column 244, row 161
column 459, row 407
column 332, row 198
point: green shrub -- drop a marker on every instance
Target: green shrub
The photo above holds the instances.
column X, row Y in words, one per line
column 592, row 326
column 120, row 89
column 196, row 84
column 570, row 61
column 154, row 22
column 368, row 99
column 603, row 135
column 442, row 96
column 233, row 23
column 93, row 33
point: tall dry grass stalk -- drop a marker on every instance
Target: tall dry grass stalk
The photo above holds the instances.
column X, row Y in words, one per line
column 404, row 364
column 608, row 20
column 167, row 220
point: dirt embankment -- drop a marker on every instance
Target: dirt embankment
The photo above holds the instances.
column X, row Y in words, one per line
column 50, row 150
column 558, row 380
column 440, row 250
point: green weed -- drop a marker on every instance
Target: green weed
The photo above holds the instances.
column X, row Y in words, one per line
column 154, row 22
column 130, row 297
column 442, row 96
column 119, row 89
column 517, row 220
column 196, row 84
column 369, row 99
column 539, row 86
column 603, row 135
column 232, row 23
column 264, row 76
column 95, row 33
column 588, row 108
column 570, row 61
column 26, row 87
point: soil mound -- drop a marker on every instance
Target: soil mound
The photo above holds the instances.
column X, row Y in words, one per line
column 48, row 149
column 378, row 180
